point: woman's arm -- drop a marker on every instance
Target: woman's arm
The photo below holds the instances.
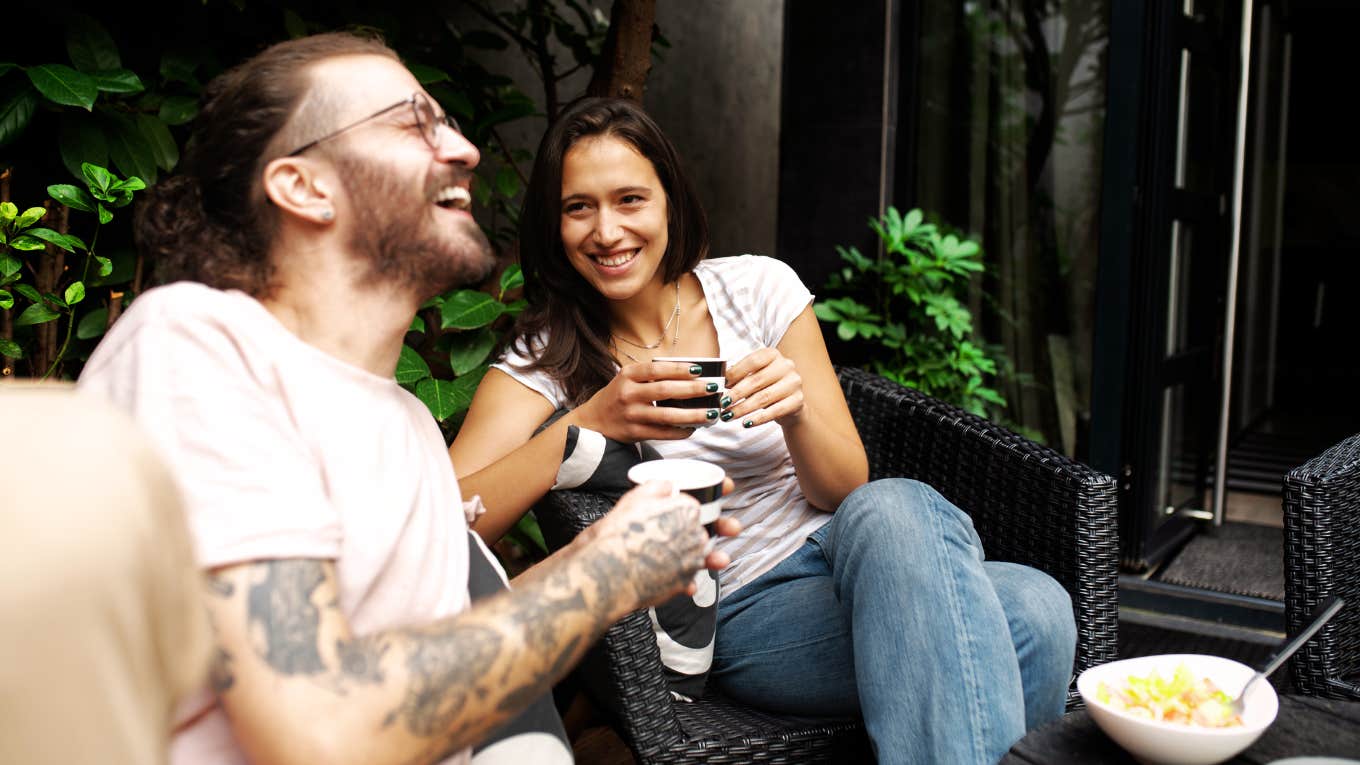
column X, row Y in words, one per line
column 796, row 386
column 497, row 455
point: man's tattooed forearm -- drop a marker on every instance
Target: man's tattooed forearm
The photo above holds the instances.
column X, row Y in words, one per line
column 444, row 671
column 283, row 619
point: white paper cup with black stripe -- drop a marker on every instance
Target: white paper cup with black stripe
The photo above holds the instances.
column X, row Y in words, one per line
column 712, row 370
column 699, row 479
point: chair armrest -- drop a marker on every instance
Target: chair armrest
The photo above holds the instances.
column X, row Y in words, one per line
column 622, row 673
column 1322, row 557
column 1030, row 504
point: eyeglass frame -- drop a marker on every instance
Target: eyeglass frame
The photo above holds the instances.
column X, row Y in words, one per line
column 431, row 137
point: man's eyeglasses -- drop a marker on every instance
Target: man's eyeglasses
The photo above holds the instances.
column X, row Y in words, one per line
column 427, row 119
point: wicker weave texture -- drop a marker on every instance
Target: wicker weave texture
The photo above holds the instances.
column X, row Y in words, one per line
column 1029, row 504
column 1322, row 558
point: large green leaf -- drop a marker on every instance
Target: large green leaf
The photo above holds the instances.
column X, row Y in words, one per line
column 118, row 81
column 64, row 241
column 293, row 24
column 98, row 178
column 35, row 314
column 177, row 67
column 163, row 146
column 470, row 349
column 130, row 150
column 177, row 110
column 124, row 267
column 470, row 309
column 427, row 75
column 17, row 104
column 411, row 367
column 92, row 324
column 75, row 293
column 6, row 300
column 63, row 85
column 90, row 46
column 11, row 349
column 507, row 181
column 511, row 278
column 465, row 386
column 438, row 396
column 28, row 291
column 9, row 265
column 81, row 140
column 29, row 217
column 26, row 242
column 72, row 196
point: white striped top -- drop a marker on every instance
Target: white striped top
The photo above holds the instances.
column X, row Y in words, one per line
column 753, row 300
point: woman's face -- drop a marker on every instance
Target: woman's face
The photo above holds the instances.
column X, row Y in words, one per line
column 613, row 216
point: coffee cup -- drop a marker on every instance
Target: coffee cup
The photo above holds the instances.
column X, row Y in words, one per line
column 699, row 479
column 712, row 370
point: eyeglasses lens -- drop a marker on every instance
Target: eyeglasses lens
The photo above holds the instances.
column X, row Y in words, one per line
column 429, row 121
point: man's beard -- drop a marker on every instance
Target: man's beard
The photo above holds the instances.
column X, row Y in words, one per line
column 401, row 244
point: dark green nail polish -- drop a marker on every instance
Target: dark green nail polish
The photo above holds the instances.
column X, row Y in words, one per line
column 726, row 402
column 748, row 423
column 695, row 369
column 726, row 416
column 713, row 414
column 711, row 387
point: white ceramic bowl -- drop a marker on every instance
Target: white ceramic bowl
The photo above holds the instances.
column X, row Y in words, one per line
column 1164, row 743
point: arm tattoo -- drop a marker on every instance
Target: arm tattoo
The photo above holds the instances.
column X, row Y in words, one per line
column 283, row 617
column 361, row 658
column 220, row 678
column 444, row 671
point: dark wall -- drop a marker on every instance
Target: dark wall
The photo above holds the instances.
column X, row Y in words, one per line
column 831, row 129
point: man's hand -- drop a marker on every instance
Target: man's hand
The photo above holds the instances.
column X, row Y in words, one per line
column 651, row 543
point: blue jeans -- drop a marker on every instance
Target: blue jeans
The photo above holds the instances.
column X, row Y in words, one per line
column 890, row 612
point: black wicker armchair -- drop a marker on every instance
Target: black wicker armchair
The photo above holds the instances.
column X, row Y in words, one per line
column 1322, row 558
column 1030, row 505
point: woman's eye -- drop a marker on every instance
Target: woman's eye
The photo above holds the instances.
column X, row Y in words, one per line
column 573, row 207
column 632, row 199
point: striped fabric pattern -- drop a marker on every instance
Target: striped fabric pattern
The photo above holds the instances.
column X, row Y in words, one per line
column 753, row 299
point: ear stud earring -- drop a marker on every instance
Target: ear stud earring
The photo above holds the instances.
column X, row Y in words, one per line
column 327, row 214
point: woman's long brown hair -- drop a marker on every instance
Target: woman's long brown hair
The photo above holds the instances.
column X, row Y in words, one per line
column 563, row 307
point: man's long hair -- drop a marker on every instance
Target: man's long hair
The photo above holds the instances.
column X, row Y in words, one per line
column 563, row 306
column 211, row 222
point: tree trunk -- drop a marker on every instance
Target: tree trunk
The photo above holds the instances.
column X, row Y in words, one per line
column 626, row 58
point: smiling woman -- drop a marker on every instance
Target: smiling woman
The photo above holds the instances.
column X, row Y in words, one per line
column 614, row 245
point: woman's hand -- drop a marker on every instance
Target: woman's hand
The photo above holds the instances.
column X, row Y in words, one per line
column 764, row 386
column 623, row 409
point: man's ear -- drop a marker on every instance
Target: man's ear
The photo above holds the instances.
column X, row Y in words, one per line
column 301, row 187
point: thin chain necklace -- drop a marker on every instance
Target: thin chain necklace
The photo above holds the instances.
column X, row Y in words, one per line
column 672, row 321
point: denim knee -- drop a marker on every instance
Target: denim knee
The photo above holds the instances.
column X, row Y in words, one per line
column 1042, row 604
column 897, row 508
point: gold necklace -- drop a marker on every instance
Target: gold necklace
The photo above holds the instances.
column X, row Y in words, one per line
column 673, row 320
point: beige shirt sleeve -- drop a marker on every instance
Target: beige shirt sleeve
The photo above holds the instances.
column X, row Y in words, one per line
column 100, row 621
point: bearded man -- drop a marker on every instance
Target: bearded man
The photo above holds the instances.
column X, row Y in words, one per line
column 322, row 198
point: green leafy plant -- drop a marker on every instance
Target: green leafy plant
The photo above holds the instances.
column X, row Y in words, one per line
column 906, row 305
column 45, row 273
column 104, row 113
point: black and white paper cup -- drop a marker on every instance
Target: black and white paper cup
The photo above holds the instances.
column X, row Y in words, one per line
column 713, row 370
column 699, row 479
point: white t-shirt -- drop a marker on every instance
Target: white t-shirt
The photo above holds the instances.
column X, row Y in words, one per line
column 753, row 300
column 283, row 451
